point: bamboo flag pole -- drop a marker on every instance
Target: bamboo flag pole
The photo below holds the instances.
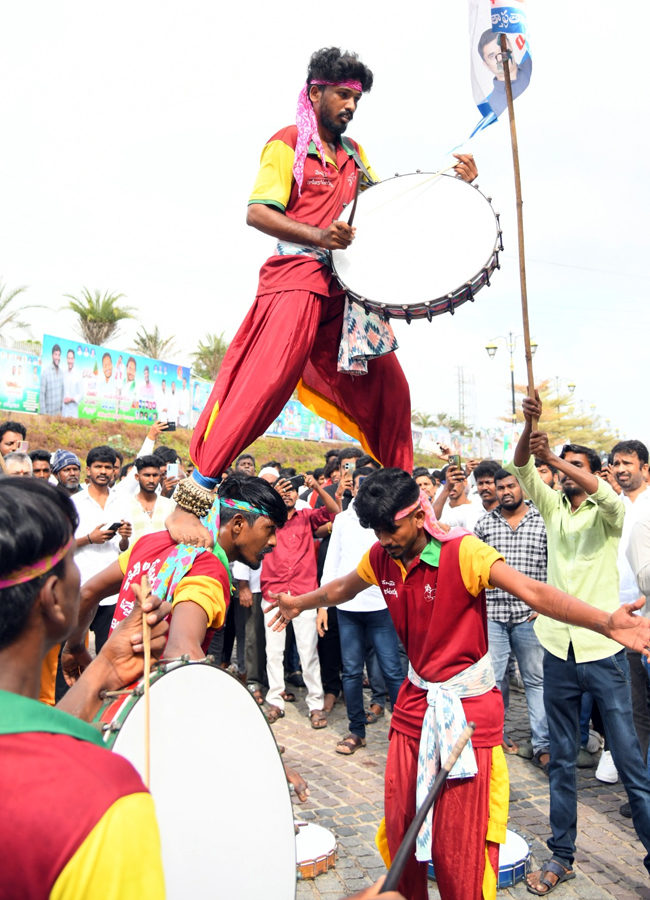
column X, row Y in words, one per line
column 146, row 639
column 505, row 59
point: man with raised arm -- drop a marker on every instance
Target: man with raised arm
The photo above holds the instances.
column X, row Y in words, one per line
column 584, row 523
column 308, row 175
column 434, row 586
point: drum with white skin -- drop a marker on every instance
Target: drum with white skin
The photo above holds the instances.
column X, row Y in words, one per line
column 425, row 243
column 217, row 780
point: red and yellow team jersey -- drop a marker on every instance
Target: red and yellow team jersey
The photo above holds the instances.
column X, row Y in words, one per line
column 76, row 821
column 325, row 192
column 439, row 611
column 206, row 583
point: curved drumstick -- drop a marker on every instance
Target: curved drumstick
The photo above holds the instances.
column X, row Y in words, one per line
column 406, row 847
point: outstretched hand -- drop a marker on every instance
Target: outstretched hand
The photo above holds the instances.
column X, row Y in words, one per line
column 186, row 528
column 287, row 609
column 630, row 630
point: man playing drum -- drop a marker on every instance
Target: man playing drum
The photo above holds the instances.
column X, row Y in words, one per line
column 67, row 802
column 434, row 586
column 291, row 335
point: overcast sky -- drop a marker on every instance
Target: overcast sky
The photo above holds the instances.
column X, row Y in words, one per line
column 132, row 133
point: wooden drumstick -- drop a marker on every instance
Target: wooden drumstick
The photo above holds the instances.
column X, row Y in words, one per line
column 406, row 847
column 146, row 640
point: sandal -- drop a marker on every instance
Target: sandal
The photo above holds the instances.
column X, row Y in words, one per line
column 257, row 694
column 288, row 696
column 273, row 714
column 317, row 718
column 375, row 712
column 509, row 745
column 350, row 744
column 329, row 702
column 537, row 760
column 554, row 868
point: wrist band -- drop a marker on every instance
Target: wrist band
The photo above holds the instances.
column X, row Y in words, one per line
column 89, row 541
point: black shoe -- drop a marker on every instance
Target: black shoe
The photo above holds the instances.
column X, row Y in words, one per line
column 296, row 679
column 626, row 810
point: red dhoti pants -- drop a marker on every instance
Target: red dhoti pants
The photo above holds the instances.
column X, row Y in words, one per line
column 460, row 822
column 294, row 336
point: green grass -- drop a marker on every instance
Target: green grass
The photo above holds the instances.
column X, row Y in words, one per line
column 79, row 435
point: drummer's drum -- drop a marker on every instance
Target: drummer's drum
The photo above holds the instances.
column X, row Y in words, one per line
column 425, row 243
column 217, row 780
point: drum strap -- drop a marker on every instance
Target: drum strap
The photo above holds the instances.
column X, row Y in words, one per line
column 349, row 146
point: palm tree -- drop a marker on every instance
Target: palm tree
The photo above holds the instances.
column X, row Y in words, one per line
column 8, row 316
column 152, row 344
column 98, row 317
column 207, row 359
column 424, row 420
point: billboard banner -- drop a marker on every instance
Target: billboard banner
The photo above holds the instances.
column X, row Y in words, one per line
column 113, row 385
column 20, row 376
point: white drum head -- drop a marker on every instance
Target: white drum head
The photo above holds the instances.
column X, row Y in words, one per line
column 221, row 795
column 312, row 842
column 419, row 237
column 513, row 851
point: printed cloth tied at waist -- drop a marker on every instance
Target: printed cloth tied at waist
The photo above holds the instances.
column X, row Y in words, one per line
column 365, row 335
column 442, row 726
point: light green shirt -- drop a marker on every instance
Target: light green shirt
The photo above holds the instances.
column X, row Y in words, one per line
column 582, row 560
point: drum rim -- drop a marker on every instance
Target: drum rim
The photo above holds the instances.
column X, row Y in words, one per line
column 453, row 298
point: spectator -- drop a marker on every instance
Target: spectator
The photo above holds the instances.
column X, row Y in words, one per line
column 246, row 464
column 366, row 460
column 11, row 435
column 516, row 529
column 41, row 467
column 51, row 393
column 629, row 468
column 169, row 456
column 147, row 510
column 584, row 523
column 72, row 387
column 66, row 468
column 547, row 473
column 18, row 463
column 99, row 508
column 485, row 487
column 362, row 619
column 452, row 505
column 423, row 480
column 292, row 567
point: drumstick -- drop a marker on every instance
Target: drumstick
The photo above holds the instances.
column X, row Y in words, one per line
column 146, row 639
column 406, row 847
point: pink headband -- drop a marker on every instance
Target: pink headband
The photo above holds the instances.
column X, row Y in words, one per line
column 430, row 522
column 308, row 127
column 29, row 573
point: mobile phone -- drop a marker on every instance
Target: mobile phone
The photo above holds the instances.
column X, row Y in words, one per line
column 114, row 526
column 348, row 466
column 172, row 470
column 24, row 446
column 171, row 426
column 454, row 460
column 297, row 481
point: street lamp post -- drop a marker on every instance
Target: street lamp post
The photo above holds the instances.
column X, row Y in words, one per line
column 511, row 345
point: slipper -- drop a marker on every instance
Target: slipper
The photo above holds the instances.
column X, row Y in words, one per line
column 288, row 696
column 536, row 761
column 317, row 718
column 375, row 712
column 509, row 745
column 329, row 702
column 274, row 713
column 554, row 868
column 259, row 697
column 350, row 744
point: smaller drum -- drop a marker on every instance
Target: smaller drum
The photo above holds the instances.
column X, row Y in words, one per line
column 513, row 860
column 316, row 850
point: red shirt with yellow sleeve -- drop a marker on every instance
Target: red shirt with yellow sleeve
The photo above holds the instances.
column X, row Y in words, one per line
column 325, row 192
column 206, row 583
column 76, row 821
column 440, row 613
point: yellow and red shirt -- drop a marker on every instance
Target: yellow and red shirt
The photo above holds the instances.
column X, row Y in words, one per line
column 76, row 821
column 325, row 192
column 440, row 613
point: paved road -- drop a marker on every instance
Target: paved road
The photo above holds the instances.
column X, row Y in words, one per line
column 347, row 797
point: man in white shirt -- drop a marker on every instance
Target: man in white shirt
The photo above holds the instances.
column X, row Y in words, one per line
column 364, row 617
column 184, row 406
column 630, row 469
column 98, row 544
column 172, row 405
column 72, row 388
column 148, row 510
column 452, row 506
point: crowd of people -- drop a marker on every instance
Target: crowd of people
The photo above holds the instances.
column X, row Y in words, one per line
column 577, row 521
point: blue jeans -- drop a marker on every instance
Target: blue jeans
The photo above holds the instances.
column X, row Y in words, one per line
column 504, row 637
column 354, row 627
column 609, row 681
